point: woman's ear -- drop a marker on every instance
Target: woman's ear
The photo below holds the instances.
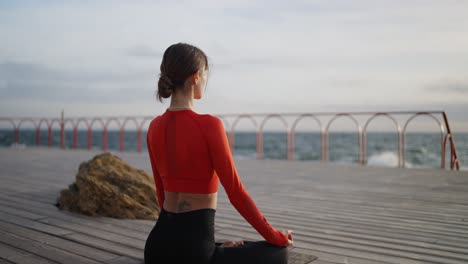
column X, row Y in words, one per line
column 195, row 77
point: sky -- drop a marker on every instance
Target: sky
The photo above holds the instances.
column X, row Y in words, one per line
column 102, row 58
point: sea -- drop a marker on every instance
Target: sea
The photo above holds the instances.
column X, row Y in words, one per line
column 423, row 150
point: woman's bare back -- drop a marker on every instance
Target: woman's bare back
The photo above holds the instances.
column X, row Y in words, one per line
column 179, row 202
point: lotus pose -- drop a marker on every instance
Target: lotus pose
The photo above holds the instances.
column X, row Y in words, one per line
column 189, row 153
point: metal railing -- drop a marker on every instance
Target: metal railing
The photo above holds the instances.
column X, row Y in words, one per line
column 445, row 132
column 121, row 122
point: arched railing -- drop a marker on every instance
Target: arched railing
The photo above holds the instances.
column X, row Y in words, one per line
column 260, row 134
column 231, row 134
column 364, row 137
column 446, row 135
column 441, row 127
column 326, row 151
column 293, row 135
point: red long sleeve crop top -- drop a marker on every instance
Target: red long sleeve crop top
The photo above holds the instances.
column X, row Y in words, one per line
column 189, row 152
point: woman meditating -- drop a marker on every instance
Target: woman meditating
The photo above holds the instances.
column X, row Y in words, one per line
column 189, row 152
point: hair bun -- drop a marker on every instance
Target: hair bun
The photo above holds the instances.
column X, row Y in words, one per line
column 165, row 86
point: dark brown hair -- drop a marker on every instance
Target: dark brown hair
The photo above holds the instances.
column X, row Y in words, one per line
column 179, row 62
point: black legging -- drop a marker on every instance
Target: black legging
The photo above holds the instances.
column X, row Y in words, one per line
column 189, row 238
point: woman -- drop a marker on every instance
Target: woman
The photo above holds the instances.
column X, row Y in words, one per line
column 189, row 152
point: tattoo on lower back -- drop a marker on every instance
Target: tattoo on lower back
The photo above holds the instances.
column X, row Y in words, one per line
column 183, row 205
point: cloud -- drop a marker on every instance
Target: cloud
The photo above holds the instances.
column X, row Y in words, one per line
column 3, row 84
column 37, row 81
column 348, row 83
column 453, row 87
column 144, row 51
column 283, row 61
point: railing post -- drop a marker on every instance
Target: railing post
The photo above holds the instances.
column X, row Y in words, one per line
column 139, row 139
column 322, row 145
column 453, row 152
column 403, row 150
column 442, row 151
column 399, row 148
column 259, row 145
column 121, row 139
column 364, row 147
column 75, row 136
column 325, row 149
column 49, row 135
column 104, row 139
column 38, row 136
column 291, row 145
column 361, row 160
column 62, row 132
column 89, row 137
column 16, row 135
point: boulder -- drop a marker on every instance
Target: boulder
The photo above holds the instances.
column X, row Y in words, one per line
column 107, row 186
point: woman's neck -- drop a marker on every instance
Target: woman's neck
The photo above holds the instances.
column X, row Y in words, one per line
column 181, row 101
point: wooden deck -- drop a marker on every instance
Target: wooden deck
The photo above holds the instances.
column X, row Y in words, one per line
column 338, row 213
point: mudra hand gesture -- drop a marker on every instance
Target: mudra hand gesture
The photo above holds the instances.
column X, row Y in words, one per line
column 238, row 243
column 288, row 233
column 232, row 243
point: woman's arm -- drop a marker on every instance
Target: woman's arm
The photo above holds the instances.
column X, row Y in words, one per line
column 225, row 168
column 156, row 176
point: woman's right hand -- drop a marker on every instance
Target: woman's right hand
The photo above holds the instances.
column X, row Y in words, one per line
column 288, row 233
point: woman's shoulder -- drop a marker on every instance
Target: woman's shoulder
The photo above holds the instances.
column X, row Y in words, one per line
column 211, row 120
column 207, row 121
column 154, row 121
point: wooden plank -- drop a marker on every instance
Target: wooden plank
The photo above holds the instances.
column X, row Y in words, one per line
column 19, row 256
column 295, row 257
column 449, row 230
column 404, row 208
column 418, row 234
column 58, row 242
column 119, row 226
column 318, row 261
column 124, row 260
column 20, row 213
column 33, row 225
column 373, row 207
column 43, row 250
column 106, row 245
column 36, row 197
column 422, row 228
column 120, row 239
column 312, row 219
column 365, row 197
column 327, row 257
column 318, row 201
column 366, row 215
column 331, row 225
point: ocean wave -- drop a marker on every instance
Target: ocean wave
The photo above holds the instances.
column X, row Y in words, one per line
column 18, row 146
column 245, row 156
column 386, row 159
column 383, row 159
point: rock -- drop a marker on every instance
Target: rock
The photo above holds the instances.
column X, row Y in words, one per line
column 107, row 186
